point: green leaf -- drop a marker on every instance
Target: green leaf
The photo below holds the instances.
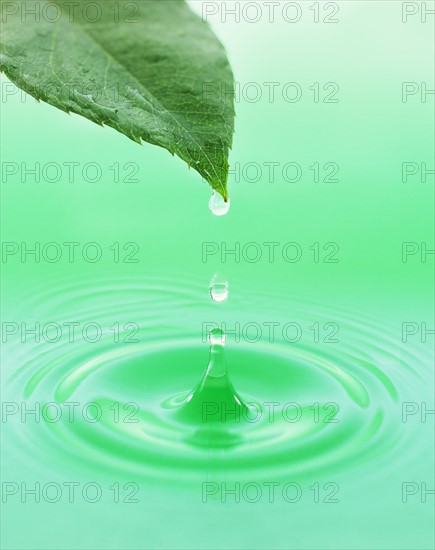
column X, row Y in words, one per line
column 151, row 69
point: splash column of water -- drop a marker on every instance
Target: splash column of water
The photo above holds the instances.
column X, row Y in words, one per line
column 214, row 398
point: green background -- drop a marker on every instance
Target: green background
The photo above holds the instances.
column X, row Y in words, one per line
column 369, row 213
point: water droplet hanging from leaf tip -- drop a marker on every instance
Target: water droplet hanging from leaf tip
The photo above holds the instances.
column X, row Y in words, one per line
column 218, row 205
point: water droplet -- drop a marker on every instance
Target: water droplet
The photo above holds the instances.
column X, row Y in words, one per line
column 219, row 291
column 217, row 205
column 217, row 337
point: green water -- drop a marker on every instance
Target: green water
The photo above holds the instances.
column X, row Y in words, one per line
column 183, row 418
column 319, row 398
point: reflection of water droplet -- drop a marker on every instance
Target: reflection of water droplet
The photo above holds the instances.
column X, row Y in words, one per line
column 219, row 291
column 217, row 205
column 217, row 337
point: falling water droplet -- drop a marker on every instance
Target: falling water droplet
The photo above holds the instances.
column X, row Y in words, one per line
column 219, row 290
column 217, row 205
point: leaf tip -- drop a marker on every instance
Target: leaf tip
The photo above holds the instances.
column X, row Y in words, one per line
column 223, row 191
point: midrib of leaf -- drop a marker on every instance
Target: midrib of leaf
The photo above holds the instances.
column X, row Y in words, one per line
column 157, row 103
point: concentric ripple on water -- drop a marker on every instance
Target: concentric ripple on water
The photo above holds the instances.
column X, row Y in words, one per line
column 162, row 400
